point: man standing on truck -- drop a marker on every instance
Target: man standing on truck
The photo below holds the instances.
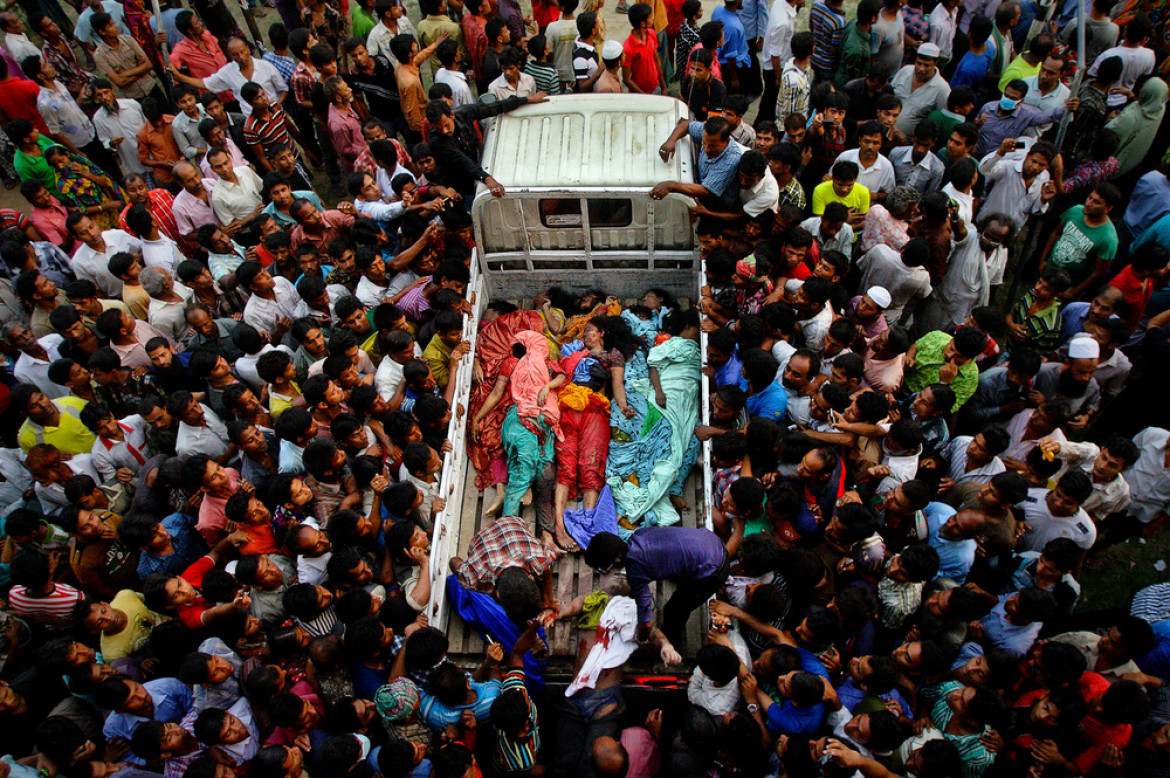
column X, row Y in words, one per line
column 455, row 147
column 718, row 188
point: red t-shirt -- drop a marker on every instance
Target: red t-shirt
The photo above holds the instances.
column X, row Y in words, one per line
column 191, row 614
column 1137, row 294
column 643, row 61
column 18, row 100
column 674, row 17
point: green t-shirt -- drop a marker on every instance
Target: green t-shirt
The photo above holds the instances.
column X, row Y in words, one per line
column 37, row 168
column 1080, row 246
column 929, row 358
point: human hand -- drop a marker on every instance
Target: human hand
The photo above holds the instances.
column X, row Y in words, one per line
column 124, row 475
column 654, row 723
column 495, row 654
column 948, row 372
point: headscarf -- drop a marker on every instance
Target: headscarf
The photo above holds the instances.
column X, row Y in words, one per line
column 530, row 375
column 1137, row 125
column 396, row 700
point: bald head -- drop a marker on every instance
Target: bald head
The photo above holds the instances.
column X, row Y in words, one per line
column 610, row 757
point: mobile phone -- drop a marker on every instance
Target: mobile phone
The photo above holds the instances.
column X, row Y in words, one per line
column 1019, row 145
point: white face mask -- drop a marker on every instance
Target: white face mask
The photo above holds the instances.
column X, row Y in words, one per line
column 365, row 744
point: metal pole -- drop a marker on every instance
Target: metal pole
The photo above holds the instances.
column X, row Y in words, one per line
column 1080, row 75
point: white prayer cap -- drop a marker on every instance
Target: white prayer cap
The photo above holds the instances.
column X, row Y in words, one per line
column 1083, row 347
column 611, row 50
column 881, row 298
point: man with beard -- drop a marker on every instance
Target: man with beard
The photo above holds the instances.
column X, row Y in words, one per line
column 1073, row 380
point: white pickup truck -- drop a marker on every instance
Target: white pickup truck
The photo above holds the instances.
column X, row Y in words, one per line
column 577, row 214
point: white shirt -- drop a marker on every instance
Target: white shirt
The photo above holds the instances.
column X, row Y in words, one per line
column 942, row 28
column 842, row 241
column 311, row 570
column 882, row 266
column 389, row 375
column 35, row 371
column 956, row 452
column 1044, row 102
column 246, row 365
column 1078, row 528
column 239, row 200
column 925, row 175
column 457, row 80
column 1149, row 478
column 917, row 103
column 20, row 47
column 1008, row 194
column 378, row 41
column 168, row 317
column 764, row 196
column 163, row 253
column 262, row 314
column 1017, row 427
column 502, row 90
column 369, row 293
column 94, row 266
column 109, row 455
column 124, row 124
column 878, row 177
column 778, row 37
column 815, row 329
column 966, row 284
column 966, row 202
column 379, row 209
column 229, row 78
column 1135, row 64
column 211, row 439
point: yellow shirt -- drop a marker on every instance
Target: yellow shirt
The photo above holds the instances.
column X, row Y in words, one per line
column 1018, row 68
column 70, row 436
column 437, row 353
column 137, row 300
column 279, row 403
column 140, row 621
column 823, row 194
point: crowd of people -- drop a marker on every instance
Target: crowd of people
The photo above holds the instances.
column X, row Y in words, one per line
column 934, row 329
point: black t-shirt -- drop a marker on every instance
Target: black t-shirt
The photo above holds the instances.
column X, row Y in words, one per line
column 380, row 89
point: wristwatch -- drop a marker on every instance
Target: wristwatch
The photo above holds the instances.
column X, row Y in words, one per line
column 753, row 708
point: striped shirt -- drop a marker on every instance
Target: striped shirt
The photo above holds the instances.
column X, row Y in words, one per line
column 284, row 65
column 267, row 132
column 53, row 610
column 517, row 755
column 827, row 26
column 974, row 755
column 161, row 206
column 546, row 76
column 585, row 59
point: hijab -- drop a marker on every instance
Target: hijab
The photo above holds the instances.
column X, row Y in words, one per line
column 1137, row 125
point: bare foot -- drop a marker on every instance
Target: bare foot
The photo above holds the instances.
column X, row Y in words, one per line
column 550, row 544
column 680, row 505
column 566, row 542
column 494, row 509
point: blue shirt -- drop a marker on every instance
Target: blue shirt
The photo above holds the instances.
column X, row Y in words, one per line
column 955, row 557
column 172, row 699
column 784, row 718
column 1149, row 202
column 283, row 220
column 734, row 50
column 1159, row 232
column 1013, row 638
column 718, row 174
column 669, row 553
column 1157, row 662
column 1072, row 318
column 972, row 69
column 188, row 548
column 770, row 403
column 292, row 458
column 731, row 374
column 753, row 15
column 84, row 31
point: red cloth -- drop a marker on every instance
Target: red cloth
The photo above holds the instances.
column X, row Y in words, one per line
column 581, row 456
column 18, row 100
column 1099, row 735
column 191, row 614
column 544, row 13
column 1137, row 294
column 674, row 17
column 493, row 348
column 642, row 59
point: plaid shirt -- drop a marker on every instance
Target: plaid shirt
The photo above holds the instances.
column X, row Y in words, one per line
column 301, row 83
column 792, row 193
column 720, row 173
column 1043, row 327
column 506, row 542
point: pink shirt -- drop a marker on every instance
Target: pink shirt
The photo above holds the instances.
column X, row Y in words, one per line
column 212, row 518
column 134, row 355
column 642, row 752
column 50, row 223
column 190, row 212
column 345, row 128
column 233, row 151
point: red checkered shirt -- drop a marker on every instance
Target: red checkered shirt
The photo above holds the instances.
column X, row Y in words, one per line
column 506, row 542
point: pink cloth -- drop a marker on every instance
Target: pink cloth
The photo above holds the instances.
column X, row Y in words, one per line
column 642, row 752
column 50, row 223
column 212, row 518
column 191, row 213
column 345, row 128
column 529, row 377
column 233, row 151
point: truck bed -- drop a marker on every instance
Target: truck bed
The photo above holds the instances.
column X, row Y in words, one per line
column 572, row 577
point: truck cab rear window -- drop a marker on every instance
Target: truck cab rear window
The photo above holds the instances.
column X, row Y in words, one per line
column 603, row 212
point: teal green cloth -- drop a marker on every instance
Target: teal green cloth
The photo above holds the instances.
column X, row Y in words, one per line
column 679, row 365
column 526, row 457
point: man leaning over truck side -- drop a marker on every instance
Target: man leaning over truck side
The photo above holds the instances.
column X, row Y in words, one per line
column 454, row 145
column 719, row 156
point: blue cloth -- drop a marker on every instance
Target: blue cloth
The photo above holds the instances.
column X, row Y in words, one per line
column 366, row 680
column 482, row 612
column 172, row 699
column 972, row 69
column 669, row 553
column 720, row 174
column 1157, row 662
column 734, row 50
column 955, row 557
column 810, row 664
column 731, row 374
column 1148, row 203
column 1016, row 639
column 292, row 458
column 784, row 718
column 188, row 546
column 770, row 403
column 1159, row 232
column 1072, row 319
column 582, row 525
column 753, row 14
column 645, row 329
column 851, row 697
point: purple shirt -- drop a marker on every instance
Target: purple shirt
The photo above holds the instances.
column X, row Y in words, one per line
column 414, row 303
column 669, row 553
